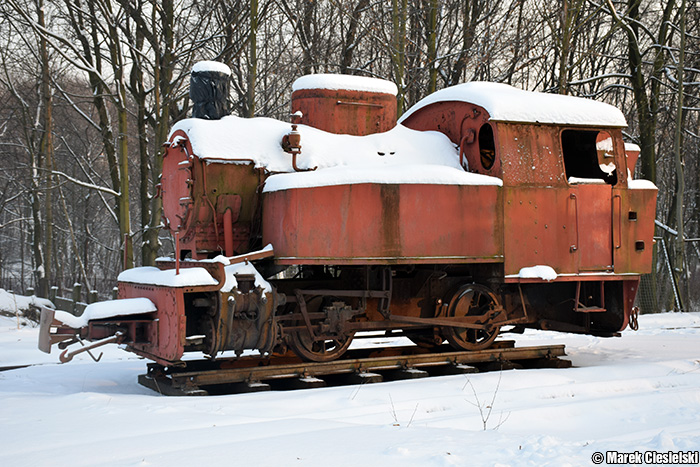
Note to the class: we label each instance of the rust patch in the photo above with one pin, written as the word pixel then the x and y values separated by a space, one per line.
pixel 344 111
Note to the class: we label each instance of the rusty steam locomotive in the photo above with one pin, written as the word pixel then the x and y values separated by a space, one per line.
pixel 486 208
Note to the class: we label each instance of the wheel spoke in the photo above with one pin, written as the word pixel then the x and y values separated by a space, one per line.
pixel 471 300
pixel 317 351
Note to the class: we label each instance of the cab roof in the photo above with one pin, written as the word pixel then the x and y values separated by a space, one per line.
pixel 509 104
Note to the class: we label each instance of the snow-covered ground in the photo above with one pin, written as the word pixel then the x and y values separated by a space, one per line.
pixel 640 393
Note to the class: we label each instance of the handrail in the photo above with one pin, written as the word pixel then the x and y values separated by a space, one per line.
pixel 618 245
pixel 365 104
pixel 574 247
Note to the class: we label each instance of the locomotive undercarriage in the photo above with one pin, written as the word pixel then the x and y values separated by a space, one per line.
pixel 237 320
pixel 585 307
pixel 431 305
pixel 321 309
pixel 330 306
pixel 324 308
pixel 317 312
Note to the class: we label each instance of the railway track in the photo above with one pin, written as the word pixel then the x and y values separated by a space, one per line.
pixel 360 366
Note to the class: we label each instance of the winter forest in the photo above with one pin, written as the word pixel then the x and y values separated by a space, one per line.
pixel 90 88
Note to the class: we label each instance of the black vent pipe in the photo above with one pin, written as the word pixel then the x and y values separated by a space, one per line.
pixel 209 90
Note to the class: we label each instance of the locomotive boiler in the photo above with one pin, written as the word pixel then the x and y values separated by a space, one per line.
pixel 484 209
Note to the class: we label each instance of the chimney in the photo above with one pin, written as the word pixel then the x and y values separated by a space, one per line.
pixel 209 90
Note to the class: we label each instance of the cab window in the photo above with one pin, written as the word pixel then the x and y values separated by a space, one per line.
pixel 588 156
pixel 487 146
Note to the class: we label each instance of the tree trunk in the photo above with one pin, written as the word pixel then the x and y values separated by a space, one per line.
pixel 647 107
pixel 136 80
pixel 350 44
pixel 470 20
pixel 307 18
pixel 398 55
pixel 432 46
pixel 679 257
pixel 647 104
pixel 562 84
pixel 164 77
pixel 41 281
pixel 117 62
pixel 46 154
pixel 252 59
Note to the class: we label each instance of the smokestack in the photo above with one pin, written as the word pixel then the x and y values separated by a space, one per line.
pixel 209 90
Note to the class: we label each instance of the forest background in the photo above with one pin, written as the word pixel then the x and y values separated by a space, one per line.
pixel 90 88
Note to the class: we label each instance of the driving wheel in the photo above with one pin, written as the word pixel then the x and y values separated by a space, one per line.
pixel 471 300
pixel 324 350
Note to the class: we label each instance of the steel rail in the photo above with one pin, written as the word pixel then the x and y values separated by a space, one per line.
pixel 251 373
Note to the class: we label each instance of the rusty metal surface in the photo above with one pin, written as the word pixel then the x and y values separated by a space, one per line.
pixel 633 220
pixel 531 155
pixel 365 223
pixel 187 381
pixel 573 228
pixel 67 356
pixel 452 118
pixel 588 277
pixel 629 292
pixel 462 123
pixel 539 229
pixel 344 111
pixel 593 211
pixel 209 202
pixel 176 186
pixel 586 232
pixel 632 156
pixel 167 339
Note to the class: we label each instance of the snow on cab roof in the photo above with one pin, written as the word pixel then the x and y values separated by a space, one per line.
pixel 508 104
pixel 349 82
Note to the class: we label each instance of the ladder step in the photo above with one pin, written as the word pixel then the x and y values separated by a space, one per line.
pixel 590 309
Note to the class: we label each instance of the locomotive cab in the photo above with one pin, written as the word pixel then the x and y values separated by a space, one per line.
pixel 570 205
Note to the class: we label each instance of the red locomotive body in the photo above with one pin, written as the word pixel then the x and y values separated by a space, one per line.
pixel 486 209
